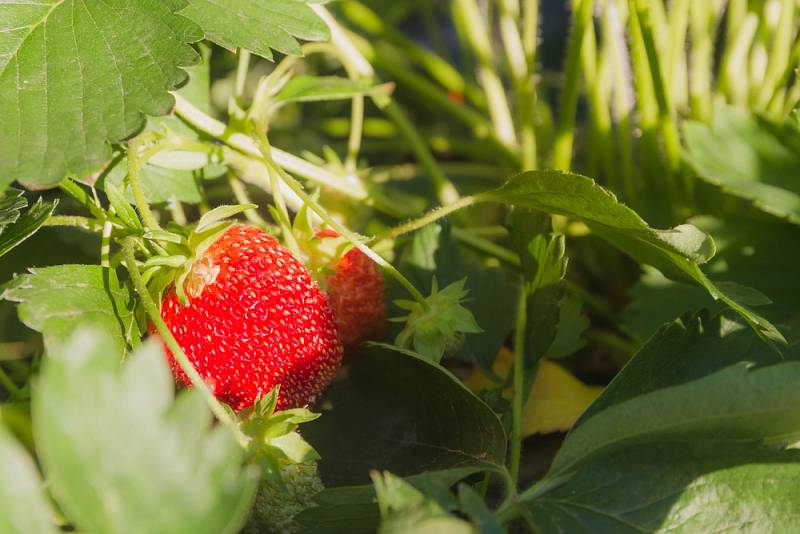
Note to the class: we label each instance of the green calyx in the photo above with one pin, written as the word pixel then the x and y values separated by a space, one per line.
pixel 180 260
pixel 274 439
pixel 439 326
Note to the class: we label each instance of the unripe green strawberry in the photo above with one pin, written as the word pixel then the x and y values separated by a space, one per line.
pixel 255 319
pixel 275 507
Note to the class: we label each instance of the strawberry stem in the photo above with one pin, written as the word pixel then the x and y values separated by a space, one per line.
pixel 519 396
pixel 145 212
pixel 155 316
pixel 345 232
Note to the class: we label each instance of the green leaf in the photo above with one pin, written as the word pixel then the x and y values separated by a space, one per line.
pixel 122 208
pixel 257 25
pixel 220 213
pixel 676 252
pixel 679 388
pixel 676 487
pixel 122 456
pixel 405 509
pixel 397 411
pixel 76 75
pixel 11 204
pixel 688 437
pixel 306 88
pixel 749 157
pixel 54 300
pixel 23 506
pixel 746 250
pixel 25 226
pixel 474 506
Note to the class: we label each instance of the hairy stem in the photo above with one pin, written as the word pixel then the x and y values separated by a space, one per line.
pixel 177 352
pixel 518 395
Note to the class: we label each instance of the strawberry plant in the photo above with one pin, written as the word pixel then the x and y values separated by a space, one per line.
pixel 368 266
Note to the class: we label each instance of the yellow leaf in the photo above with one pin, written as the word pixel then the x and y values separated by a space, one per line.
pixel 556 400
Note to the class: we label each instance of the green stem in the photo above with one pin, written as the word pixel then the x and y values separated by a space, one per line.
pixel 345 232
pixel 445 190
pixel 177 352
pixel 134 162
pixel 562 148
pixel 521 65
pixel 244 144
pixel 76 221
pixel 79 195
pixel 518 395
pixel 8 384
pixel 241 74
pixel 779 54
pixel 477 34
pixel 622 104
pixel 489 247
pixel 432 216
pixel 240 193
pixel 392 62
pixel 669 129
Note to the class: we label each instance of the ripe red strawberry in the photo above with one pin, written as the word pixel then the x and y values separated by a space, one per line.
pixel 355 292
pixel 255 319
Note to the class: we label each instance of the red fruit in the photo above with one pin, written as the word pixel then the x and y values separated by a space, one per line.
pixel 355 292
pixel 255 319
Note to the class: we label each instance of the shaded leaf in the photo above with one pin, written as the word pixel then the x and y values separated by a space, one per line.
pixel 748 157
pixel 399 412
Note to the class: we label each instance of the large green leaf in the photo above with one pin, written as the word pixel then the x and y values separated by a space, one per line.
pixel 257 25
pixel 23 507
pixel 676 487
pixel 749 157
pixel 54 300
pixel 397 411
pixel 676 252
pixel 75 75
pixel 691 436
pixel 761 254
pixel 121 455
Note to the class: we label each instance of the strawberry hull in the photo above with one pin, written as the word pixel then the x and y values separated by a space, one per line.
pixel 255 319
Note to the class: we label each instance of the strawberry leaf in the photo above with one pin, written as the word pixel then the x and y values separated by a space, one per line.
pixel 257 25
pixel 76 75
pixel 85 294
pixel 25 226
pixel 122 455
pixel 396 410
